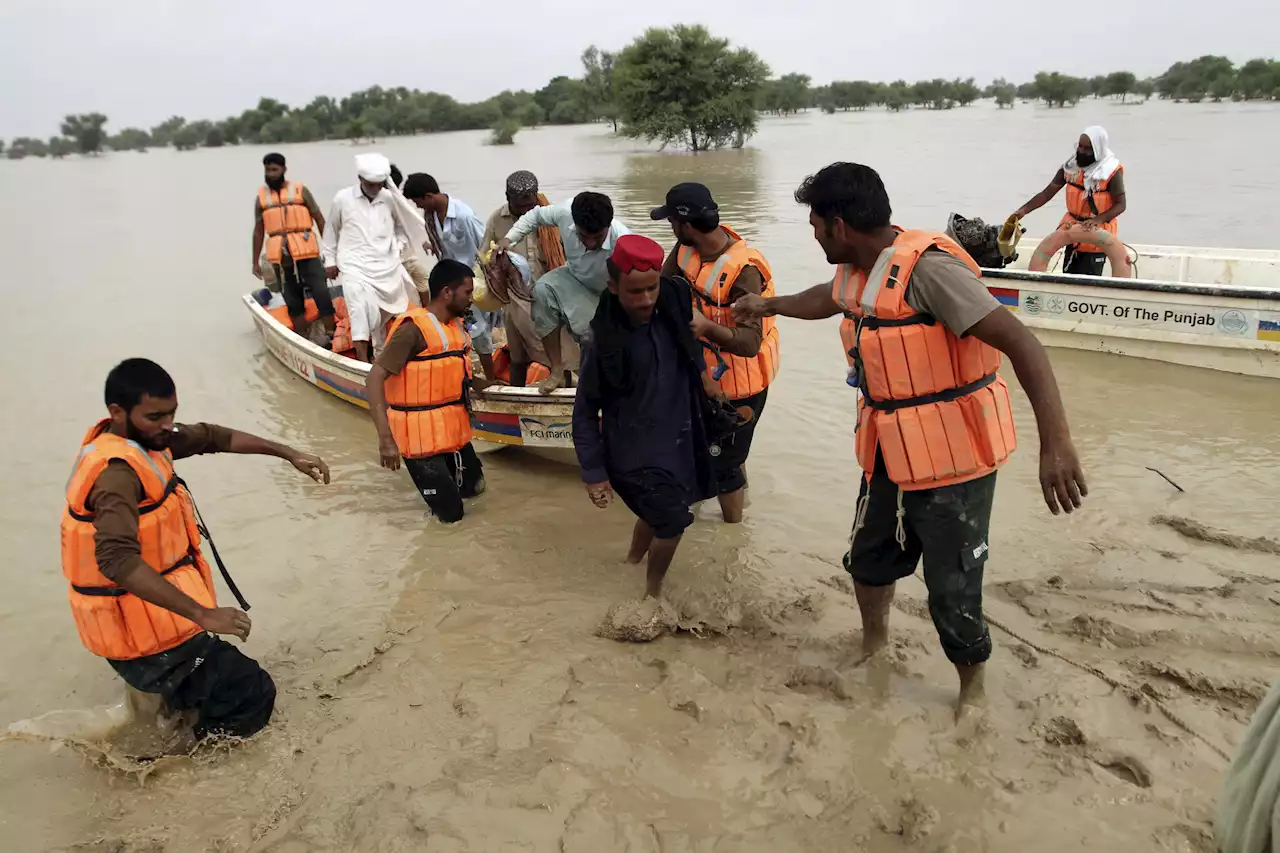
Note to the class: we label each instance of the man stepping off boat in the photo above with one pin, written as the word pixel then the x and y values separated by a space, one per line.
pixel 287 218
pixel 638 415
pixel 368 225
pixel 419 391
pixel 141 592
pixel 924 339
pixel 743 358
pixel 1094 180
pixel 566 297
pixel 543 249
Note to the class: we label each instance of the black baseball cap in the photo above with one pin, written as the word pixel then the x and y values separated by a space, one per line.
pixel 685 202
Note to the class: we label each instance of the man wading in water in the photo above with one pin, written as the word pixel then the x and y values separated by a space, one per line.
pixel 924 338
pixel 140 590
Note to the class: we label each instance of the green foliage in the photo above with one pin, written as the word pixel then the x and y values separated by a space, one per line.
pixel 1058 90
pixel 1120 83
pixel 25 146
pixel 1191 80
pixel 598 100
pixel 187 138
pixel 1004 92
pixel 787 95
pixel 163 133
pixel 965 92
pixel 60 146
pixel 681 86
pixel 87 130
pixel 1146 88
pixel 1259 78
pixel 504 132
pixel 130 139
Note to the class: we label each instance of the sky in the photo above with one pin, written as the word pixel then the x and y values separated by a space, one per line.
pixel 141 61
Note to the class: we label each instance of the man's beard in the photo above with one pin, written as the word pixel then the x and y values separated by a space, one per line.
pixel 159 441
pixel 275 183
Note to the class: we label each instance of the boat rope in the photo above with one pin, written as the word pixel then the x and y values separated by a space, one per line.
pixel 1132 692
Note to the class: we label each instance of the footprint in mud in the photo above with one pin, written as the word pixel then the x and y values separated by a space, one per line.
pixel 1123 766
pixel 638 621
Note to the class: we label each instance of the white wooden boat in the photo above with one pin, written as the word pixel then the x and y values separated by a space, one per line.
pixel 1201 307
pixel 501 416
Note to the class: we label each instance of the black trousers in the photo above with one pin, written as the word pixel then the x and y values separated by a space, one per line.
pixel 231 694
pixel 308 273
pixel 445 479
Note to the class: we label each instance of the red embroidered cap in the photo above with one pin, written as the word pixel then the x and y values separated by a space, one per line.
pixel 636 252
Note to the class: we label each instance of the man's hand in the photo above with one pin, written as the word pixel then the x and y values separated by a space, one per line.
pixel 1061 477
pixel 1090 224
pixel 700 325
pixel 225 620
pixel 429 249
pixel 257 270
pixel 389 454
pixel 504 246
pixel 312 466
pixel 750 306
pixel 331 273
pixel 600 493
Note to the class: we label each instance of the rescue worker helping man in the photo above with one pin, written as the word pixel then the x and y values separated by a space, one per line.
pixel 1094 180
pixel 419 391
pixel 742 358
pixel 924 340
pixel 140 590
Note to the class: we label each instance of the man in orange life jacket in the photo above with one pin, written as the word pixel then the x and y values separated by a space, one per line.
pixel 1094 180
pixel 285 215
pixel 420 395
pixel 742 358
pixel 924 338
pixel 140 590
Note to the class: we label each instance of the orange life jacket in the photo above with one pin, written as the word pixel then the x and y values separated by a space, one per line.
pixel 502 367
pixel 112 622
pixel 1081 205
pixel 711 285
pixel 428 402
pixel 932 403
pixel 285 216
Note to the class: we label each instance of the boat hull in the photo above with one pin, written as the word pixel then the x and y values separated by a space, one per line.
pixel 503 417
pixel 1218 327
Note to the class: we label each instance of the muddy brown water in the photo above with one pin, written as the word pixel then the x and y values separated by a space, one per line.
pixel 441 688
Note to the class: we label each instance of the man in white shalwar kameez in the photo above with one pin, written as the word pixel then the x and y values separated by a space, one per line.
pixel 367 226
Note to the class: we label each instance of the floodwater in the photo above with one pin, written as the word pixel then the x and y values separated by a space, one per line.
pixel 440 688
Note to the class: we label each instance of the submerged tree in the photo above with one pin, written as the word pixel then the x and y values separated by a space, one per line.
pixel 504 132
pixel 87 130
pixel 681 86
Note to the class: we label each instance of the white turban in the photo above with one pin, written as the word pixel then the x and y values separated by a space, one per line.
pixel 374 168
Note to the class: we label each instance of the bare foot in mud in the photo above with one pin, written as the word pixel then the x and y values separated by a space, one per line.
pixel 552 382
pixel 638 621
pixel 972 703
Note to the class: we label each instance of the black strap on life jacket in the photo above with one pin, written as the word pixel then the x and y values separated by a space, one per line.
pixel 169 488
pixel 883 323
pixel 116 591
pixel 925 399
pixel 461 401
pixel 1088 196
pixel 452 353
pixel 213 549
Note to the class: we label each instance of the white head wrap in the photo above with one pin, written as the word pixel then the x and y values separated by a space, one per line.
pixel 1104 164
pixel 374 168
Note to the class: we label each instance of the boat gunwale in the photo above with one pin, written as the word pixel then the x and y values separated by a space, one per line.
pixel 1260 294
pixel 498 394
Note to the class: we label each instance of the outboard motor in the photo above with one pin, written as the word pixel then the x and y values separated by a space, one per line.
pixel 980 240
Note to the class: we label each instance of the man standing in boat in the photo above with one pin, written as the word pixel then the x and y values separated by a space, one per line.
pixel 924 340
pixel 742 358
pixel 1094 180
pixel 543 249
pixel 566 297
pixel 141 592
pixel 419 392
pixel 287 218
pixel 637 418
pixel 367 226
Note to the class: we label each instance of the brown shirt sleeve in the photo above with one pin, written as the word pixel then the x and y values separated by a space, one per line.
pixel 403 345
pixel 945 288
pixel 195 439
pixel 748 335
pixel 114 502
pixel 310 201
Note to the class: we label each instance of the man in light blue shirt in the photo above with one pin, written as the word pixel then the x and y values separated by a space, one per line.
pixel 455 233
pixel 566 297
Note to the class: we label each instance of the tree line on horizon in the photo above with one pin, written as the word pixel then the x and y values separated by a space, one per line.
pixel 679 86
